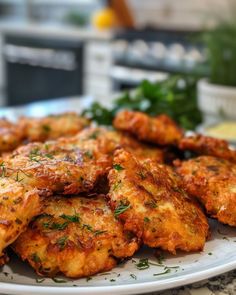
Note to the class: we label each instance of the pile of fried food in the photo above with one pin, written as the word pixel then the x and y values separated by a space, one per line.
pixel 76 199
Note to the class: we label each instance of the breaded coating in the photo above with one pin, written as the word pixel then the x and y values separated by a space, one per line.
pixel 209 146
pixel 110 140
pixel 213 182
pixel 75 236
pixel 18 205
pixel 150 202
pixel 67 166
pixel 52 127
pixel 160 130
pixel 11 136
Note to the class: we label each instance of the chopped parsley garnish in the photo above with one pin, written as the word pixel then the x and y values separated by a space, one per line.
pixel 46 128
pixel 61 242
pixel 116 185
pixel 56 280
pixel 39 280
pixel 146 219
pixel 118 167
pixel 209 253
pixel 162 273
pixel 121 209
pixel 112 280
pixel 35 258
pixel 141 174
pixel 160 258
pixel 88 154
pixel 89 279
pixel 71 218
pixel 99 232
pixel 50 156
pixel 88 227
pixel 54 225
pixel 3 169
pixel 94 135
pixel 142 264
pixel 133 276
pixel 151 204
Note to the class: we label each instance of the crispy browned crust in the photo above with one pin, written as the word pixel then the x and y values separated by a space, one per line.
pixel 52 127
pixel 205 145
pixel 158 130
pixel 110 140
pixel 18 205
pixel 11 136
pixel 157 209
pixel 213 182
pixel 75 236
pixel 69 165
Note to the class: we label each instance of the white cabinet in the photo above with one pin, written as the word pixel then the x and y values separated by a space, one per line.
pixel 97 66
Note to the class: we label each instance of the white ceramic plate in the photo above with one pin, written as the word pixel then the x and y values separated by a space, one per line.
pixel 218 257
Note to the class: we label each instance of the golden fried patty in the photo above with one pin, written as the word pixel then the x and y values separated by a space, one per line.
pixel 68 165
pixel 148 199
pixel 209 146
pixel 11 136
pixel 18 205
pixel 213 181
pixel 75 236
pixel 159 130
pixel 52 127
pixel 110 140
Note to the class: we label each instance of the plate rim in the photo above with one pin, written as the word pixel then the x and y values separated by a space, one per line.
pixel 135 288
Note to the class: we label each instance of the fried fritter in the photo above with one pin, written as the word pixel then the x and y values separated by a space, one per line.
pixel 67 166
pixel 75 236
pixel 11 136
pixel 212 181
pixel 110 140
pixel 150 202
pixel 205 145
pixel 52 127
pixel 159 130
pixel 18 205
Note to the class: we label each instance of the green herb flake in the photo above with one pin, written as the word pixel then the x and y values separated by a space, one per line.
pixel 112 280
pixel 59 281
pixel 210 253
pixel 56 226
pixel 118 167
pixel 133 276
pixel 146 219
pixel 72 218
pixel 46 128
pixel 121 209
pixel 88 227
pixel 35 258
pixel 168 270
pixel 142 264
pixel 62 242
pixel 39 280
pixel 99 232
pixel 89 279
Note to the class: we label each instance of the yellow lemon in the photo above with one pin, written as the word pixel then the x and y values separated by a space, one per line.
pixel 104 19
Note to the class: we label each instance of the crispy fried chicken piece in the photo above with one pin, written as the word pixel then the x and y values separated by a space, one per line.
pixel 52 127
pixel 11 136
pixel 75 236
pixel 150 202
pixel 158 130
pixel 18 205
pixel 205 145
pixel 213 182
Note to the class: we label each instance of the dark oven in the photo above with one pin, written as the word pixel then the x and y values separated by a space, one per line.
pixel 40 68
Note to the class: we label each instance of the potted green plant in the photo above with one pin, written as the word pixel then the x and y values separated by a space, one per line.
pixel 217 94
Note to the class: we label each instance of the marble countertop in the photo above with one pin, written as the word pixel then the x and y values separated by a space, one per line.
pixel 224 284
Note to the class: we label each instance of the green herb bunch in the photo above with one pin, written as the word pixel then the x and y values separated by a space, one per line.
pixel 220 43
pixel 175 96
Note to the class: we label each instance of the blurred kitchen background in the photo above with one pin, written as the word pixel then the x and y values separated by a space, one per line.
pixel 68 48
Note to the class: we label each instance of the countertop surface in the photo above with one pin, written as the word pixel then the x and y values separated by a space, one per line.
pixel 53 31
pixel 224 284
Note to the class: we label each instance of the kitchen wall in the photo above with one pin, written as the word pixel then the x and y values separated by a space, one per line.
pixel 181 13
